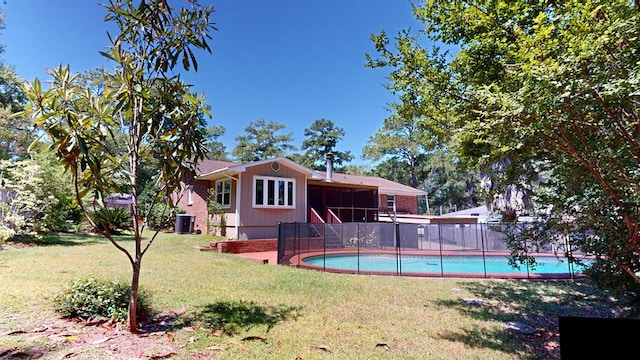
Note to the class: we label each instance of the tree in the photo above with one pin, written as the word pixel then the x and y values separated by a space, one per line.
pixel 399 138
pixel 143 103
pixel 450 185
pixel 360 169
pixel 393 169
pixel 16 133
pixel 216 150
pixel 262 141
pixel 540 88
pixel 321 138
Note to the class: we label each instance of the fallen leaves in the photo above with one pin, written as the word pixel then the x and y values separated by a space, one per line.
pixel 160 343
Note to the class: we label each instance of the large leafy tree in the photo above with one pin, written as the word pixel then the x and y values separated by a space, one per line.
pixel 399 139
pixel 143 104
pixel 450 185
pixel 16 133
pixel 36 197
pixel 534 88
pixel 322 138
pixel 393 169
pixel 262 141
pixel 216 149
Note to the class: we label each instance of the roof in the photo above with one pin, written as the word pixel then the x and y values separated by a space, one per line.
pixel 483 210
pixel 213 169
pixel 207 166
pixel 216 169
pixel 384 186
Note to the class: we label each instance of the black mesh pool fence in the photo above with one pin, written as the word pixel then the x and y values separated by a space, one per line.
pixel 435 249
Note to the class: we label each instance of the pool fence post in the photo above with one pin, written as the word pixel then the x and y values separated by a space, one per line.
pixel 279 241
pixel 440 245
pixel 477 233
pixel 324 246
pixel 296 241
pixel 358 247
pixel 526 251
pixel 484 259
pixel 396 235
pixel 569 255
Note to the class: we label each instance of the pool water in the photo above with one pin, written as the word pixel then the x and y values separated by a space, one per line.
pixel 464 264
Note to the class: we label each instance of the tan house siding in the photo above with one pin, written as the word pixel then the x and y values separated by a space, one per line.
pixel 262 220
pixel 246 221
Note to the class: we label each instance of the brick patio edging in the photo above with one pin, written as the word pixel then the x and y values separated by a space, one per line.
pixel 245 246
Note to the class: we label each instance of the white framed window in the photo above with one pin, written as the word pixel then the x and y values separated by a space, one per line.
pixel 190 195
pixel 391 202
pixel 223 193
pixel 274 192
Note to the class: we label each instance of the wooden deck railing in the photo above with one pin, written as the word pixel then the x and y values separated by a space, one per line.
pixel 315 217
pixel 332 217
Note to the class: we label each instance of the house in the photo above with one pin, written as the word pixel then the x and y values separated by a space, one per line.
pixel 256 196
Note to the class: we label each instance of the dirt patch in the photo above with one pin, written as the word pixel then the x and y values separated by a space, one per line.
pixel 102 339
pixel 15 245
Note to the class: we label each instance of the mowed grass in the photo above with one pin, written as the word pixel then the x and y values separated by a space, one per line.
pixel 233 308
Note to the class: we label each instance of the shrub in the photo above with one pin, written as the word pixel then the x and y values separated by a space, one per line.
pixel 5 233
pixel 92 298
pixel 161 217
pixel 114 220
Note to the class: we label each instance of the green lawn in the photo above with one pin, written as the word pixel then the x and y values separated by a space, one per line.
pixel 277 312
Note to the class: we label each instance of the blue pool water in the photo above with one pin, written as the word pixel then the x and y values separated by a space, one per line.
pixel 463 264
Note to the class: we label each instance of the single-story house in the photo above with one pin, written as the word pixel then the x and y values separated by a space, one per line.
pixel 256 196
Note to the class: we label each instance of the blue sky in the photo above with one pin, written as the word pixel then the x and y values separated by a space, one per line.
pixel 286 61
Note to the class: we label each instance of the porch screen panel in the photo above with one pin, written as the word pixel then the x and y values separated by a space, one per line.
pixel 332 196
pixel 364 198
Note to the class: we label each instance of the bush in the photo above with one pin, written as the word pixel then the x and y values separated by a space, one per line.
pixel 91 299
pixel 6 233
pixel 161 217
pixel 114 220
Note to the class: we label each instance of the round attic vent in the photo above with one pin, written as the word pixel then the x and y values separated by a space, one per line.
pixel 275 166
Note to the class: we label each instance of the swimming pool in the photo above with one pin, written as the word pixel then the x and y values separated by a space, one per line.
pixel 442 265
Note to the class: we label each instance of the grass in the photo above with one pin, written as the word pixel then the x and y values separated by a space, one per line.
pixel 233 308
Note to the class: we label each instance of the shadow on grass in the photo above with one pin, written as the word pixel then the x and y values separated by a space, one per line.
pixel 535 304
pixel 234 317
pixel 60 239
pixel 65 239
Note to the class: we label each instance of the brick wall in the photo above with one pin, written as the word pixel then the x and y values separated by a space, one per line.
pixel 404 204
pixel 245 246
pixel 199 205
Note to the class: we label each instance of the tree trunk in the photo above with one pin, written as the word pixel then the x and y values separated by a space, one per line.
pixel 470 202
pixel 133 298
